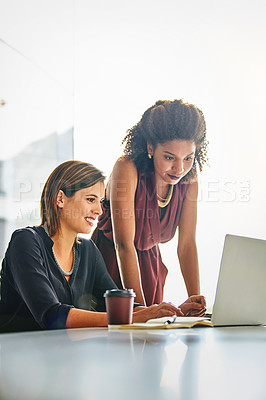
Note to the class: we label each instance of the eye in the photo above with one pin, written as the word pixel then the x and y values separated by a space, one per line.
pixel 90 199
pixel 189 158
pixel 170 158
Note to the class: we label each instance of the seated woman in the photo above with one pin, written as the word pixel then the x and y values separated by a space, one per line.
pixel 51 278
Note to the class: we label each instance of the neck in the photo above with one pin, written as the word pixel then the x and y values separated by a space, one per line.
pixel 162 188
pixel 63 241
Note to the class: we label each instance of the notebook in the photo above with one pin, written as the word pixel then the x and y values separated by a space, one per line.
pixel 241 289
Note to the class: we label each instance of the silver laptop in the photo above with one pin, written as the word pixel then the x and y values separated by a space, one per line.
pixel 241 289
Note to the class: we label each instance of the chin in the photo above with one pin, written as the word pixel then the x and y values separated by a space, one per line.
pixel 86 231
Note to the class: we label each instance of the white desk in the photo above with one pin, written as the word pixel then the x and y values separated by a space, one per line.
pixel 94 364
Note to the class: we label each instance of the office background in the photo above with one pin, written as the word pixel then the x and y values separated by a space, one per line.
pixel 76 74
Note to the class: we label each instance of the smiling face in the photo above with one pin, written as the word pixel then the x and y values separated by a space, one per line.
pixel 80 211
pixel 172 160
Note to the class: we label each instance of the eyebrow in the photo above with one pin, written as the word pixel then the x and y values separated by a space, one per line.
pixel 172 154
pixel 94 195
pixel 90 194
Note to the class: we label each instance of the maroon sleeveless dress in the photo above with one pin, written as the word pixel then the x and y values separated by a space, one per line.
pixel 153 226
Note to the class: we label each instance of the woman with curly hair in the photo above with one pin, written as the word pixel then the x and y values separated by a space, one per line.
pixel 153 190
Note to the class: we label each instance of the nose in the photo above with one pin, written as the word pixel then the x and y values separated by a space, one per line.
pixel 98 209
pixel 178 167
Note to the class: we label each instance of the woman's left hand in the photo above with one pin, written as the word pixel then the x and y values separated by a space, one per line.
pixel 194 306
pixel 143 314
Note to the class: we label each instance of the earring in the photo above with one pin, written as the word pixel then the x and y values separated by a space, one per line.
pixel 149 155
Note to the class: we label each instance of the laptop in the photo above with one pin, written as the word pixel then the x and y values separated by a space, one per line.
pixel 241 289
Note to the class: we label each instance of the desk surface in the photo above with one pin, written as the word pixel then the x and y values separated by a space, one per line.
pixel 97 364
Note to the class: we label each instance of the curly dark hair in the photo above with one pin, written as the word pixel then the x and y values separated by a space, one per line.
pixel 165 121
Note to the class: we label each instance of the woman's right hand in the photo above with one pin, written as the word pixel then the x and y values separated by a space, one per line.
pixel 194 306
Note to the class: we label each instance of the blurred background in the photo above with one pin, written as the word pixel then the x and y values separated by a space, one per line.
pixel 76 74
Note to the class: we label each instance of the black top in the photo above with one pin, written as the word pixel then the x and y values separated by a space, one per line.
pixel 34 291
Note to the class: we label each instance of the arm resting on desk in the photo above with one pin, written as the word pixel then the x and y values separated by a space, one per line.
pixel 82 319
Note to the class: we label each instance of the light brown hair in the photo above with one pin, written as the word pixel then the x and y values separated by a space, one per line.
pixel 70 176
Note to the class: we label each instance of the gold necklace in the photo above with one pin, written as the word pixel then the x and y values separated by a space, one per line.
pixel 164 202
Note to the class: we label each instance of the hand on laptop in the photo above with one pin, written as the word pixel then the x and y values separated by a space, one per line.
pixel 142 314
pixel 194 306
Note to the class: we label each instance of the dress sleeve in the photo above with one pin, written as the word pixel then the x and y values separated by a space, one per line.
pixel 29 276
pixel 103 280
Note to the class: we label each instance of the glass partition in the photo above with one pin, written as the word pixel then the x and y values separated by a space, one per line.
pixel 36 106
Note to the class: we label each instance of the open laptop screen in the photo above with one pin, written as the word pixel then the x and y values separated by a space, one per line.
pixel 241 289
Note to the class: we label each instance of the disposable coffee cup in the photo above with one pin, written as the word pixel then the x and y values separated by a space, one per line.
pixel 119 306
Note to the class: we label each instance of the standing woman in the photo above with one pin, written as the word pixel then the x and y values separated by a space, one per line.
pixel 50 277
pixel 153 189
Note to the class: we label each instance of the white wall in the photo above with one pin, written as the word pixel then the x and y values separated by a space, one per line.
pixel 130 54
pixel 36 71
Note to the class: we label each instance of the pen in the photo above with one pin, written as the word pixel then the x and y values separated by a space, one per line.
pixel 170 320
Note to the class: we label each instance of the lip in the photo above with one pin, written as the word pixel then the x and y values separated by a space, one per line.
pixel 90 220
pixel 174 177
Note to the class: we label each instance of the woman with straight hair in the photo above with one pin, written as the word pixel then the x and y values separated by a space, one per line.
pixel 53 279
